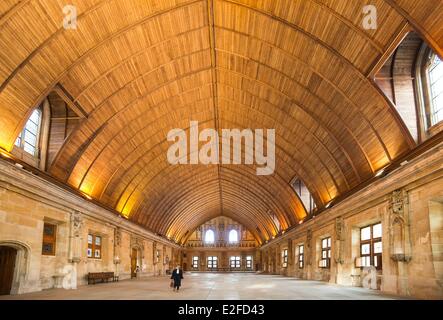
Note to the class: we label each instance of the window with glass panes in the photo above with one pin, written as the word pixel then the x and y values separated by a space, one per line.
pixel 301 256
pixel 212 262
pixel 325 261
pixel 94 246
pixel 49 238
pixel 284 256
pixel 195 262
pixel 371 246
pixel 235 262
pixel 436 88
pixel 28 138
pixel 249 262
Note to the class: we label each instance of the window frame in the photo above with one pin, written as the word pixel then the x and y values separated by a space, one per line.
pixel 249 262
pixel 301 256
pixel 432 108
pixel 195 262
pixel 371 242
pixel 427 127
pixel 236 260
pixel 48 239
pixel 94 246
pixel 284 255
pixel 212 262
pixel 325 258
pixel 236 236
pixel 206 235
pixel 23 134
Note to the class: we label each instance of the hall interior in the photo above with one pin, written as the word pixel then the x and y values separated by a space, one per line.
pixel 340 101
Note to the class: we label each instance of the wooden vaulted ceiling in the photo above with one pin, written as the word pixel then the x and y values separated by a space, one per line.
pixel 139 68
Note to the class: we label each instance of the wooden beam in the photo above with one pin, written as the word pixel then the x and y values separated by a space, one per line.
pixel 75 106
pixel 378 64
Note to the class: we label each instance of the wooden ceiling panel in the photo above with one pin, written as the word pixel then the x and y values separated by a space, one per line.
pixel 141 68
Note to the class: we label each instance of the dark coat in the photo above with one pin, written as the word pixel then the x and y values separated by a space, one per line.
pixel 177 277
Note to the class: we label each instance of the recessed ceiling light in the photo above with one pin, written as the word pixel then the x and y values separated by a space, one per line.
pixel 4 154
pixel 380 173
pixel 87 196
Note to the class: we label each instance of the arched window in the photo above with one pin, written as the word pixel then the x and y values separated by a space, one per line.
pixel 28 138
pixel 435 72
pixel 209 236
pixel 233 236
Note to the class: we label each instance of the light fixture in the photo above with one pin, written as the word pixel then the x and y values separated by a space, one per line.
pixel 87 196
pixel 18 165
pixel 300 222
pixel 380 173
pixel 328 205
pixel 5 154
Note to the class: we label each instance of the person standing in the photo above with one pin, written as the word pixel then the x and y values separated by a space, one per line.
pixel 177 276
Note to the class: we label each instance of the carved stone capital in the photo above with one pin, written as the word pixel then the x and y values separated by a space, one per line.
pixel 77 223
pixel 117 237
pixel 401 257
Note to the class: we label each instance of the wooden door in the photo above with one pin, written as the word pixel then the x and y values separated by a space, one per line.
pixel 133 263
pixel 7 264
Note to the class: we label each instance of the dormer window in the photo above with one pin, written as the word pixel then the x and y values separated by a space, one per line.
pixel 28 139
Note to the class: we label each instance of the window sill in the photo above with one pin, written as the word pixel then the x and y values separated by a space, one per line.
pixel 436 128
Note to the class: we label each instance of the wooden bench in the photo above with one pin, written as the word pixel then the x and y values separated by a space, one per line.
pixel 101 276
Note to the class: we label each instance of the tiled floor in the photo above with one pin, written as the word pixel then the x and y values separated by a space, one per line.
pixel 202 286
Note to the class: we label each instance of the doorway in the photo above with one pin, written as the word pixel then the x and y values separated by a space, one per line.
pixel 134 263
pixel 7 264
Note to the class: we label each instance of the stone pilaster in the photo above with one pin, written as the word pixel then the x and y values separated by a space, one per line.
pixel 399 237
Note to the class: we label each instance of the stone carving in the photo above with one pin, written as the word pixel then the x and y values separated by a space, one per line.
pixel 77 223
pixel 155 253
pixel 308 238
pixel 308 247
pixel 339 228
pixel 117 237
pixel 117 244
pixel 399 237
pixel 340 237
pixel 138 244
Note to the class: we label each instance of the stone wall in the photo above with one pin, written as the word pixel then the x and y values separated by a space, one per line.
pixel 409 204
pixel 27 202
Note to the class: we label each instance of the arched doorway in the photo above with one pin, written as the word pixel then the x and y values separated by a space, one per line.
pixel 14 262
pixel 8 256
pixel 136 260
pixel 134 253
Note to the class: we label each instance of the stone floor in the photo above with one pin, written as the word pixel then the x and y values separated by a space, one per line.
pixel 209 286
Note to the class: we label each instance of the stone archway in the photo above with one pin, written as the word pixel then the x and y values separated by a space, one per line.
pixel 20 265
pixel 136 260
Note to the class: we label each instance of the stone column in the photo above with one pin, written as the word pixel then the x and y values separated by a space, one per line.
pixel 309 252
pixel 75 249
pixel 338 250
pixel 290 267
pixel 399 237
pixel 117 250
